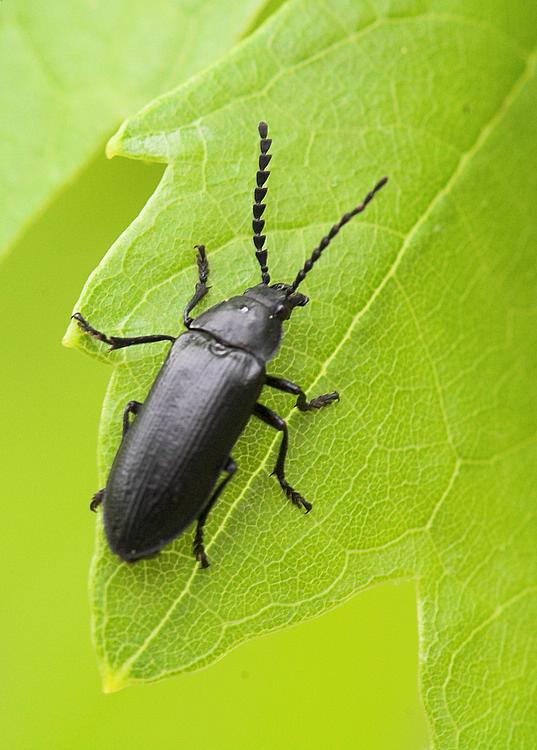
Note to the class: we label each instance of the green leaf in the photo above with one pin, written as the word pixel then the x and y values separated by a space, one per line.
pixel 71 72
pixel 423 316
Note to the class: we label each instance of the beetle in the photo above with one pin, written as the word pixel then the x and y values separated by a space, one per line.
pixel 166 472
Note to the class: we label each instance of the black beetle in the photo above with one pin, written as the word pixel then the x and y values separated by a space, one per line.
pixel 165 473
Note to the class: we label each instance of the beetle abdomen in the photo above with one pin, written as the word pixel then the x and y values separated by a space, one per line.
pixel 173 453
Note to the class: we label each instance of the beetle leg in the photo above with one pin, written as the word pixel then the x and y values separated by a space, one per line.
pixel 132 408
pixel 302 403
pixel 274 420
pixel 97 499
pixel 198 547
pixel 116 342
pixel 201 286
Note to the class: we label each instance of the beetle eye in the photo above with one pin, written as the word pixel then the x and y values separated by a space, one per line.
pixel 282 312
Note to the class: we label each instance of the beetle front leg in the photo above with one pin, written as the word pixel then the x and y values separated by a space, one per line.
pixel 281 384
pixel 198 546
pixel 201 286
pixel 117 342
pixel 274 420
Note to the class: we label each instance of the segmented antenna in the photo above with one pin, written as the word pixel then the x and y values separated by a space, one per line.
pixel 259 207
pixel 316 254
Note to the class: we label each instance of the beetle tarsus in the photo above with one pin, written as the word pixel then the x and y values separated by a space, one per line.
pixel 294 496
pixel 317 403
pixel 302 403
pixel 96 500
pixel 201 286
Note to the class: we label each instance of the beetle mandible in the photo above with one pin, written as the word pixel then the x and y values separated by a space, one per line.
pixel 166 471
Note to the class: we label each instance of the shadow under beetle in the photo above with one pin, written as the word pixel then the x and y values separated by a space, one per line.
pixel 166 470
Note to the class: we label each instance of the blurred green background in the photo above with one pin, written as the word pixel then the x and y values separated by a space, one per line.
pixel 348 679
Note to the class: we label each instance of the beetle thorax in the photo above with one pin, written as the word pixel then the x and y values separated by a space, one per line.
pixel 251 321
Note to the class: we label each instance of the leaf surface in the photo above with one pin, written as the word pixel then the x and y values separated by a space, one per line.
pixel 71 72
pixel 423 316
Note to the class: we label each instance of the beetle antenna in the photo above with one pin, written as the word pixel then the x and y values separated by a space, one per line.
pixel 259 207
pixel 316 254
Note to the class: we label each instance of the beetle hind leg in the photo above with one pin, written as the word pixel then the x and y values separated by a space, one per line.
pixel 198 546
pixel 274 420
pixel 201 286
pixel 96 500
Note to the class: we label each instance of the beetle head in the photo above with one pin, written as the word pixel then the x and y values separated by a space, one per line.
pixel 279 298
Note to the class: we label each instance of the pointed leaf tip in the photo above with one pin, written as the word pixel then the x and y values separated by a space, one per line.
pixel 113 682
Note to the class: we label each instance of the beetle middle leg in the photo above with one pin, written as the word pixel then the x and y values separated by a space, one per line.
pixel 118 342
pixel 281 384
pixel 274 420
pixel 201 286
pixel 133 407
pixel 198 546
